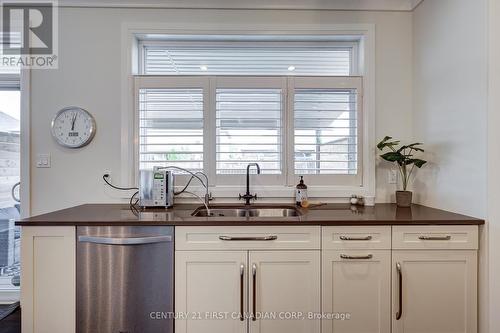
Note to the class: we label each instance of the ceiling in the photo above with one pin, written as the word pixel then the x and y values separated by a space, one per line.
pixel 392 5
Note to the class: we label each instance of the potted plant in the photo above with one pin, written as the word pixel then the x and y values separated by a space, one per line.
pixel 404 157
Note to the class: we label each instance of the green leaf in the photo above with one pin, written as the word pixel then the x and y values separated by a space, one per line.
pixel 381 144
pixel 393 143
pixel 393 157
pixel 402 148
pixel 414 146
pixel 403 156
pixel 411 146
pixel 419 163
pixel 384 143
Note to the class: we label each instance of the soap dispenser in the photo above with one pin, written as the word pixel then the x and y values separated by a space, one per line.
pixel 301 193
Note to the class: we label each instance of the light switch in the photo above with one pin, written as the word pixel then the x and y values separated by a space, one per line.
pixel 43 160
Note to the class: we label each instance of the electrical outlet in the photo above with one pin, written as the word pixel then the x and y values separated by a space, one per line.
pixel 392 177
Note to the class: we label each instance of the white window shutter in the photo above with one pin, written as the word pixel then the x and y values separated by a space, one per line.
pixel 171 128
pixel 325 130
pixel 248 129
pixel 245 59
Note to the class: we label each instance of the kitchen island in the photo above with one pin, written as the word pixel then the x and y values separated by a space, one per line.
pixel 331 268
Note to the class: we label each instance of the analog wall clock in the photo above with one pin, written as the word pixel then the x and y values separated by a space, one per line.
pixel 73 127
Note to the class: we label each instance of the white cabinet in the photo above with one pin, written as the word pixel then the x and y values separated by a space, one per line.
pixel 209 283
pixel 211 290
pixel 356 283
pixel 434 291
pixel 377 279
pixel 271 274
pixel 434 279
pixel 401 279
pixel 356 291
pixel 48 279
pixel 284 284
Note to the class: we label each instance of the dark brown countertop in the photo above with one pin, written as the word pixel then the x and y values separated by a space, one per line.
pixel 180 215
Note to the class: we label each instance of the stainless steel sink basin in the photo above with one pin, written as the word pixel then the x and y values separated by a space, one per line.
pixel 242 211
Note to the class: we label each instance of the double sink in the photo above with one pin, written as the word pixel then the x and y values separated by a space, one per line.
pixel 247 211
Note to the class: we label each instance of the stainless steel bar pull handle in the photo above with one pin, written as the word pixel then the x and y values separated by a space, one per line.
pixel 400 296
pixel 423 237
pixel 254 292
pixel 346 256
pixel 124 241
pixel 350 238
pixel 245 238
pixel 242 292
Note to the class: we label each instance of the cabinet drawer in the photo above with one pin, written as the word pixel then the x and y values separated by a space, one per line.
pixel 435 237
pixel 356 237
pixel 247 238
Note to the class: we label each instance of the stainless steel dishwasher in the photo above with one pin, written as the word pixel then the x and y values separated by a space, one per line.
pixel 125 279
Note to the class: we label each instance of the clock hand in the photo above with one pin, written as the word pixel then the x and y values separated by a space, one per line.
pixel 73 122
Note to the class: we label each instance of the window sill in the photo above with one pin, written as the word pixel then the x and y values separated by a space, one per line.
pixel 326 193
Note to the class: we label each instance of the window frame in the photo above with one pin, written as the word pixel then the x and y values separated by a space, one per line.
pixel 350 45
pixel 321 82
pixel 363 33
pixel 166 82
pixel 287 84
pixel 249 82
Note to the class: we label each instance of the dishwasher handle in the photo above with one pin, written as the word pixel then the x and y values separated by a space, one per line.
pixel 124 241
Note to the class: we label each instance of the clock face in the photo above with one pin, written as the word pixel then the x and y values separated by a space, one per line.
pixel 73 127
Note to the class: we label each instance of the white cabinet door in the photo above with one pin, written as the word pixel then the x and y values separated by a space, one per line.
pixel 434 291
pixel 356 292
pixel 284 287
pixel 210 289
pixel 48 279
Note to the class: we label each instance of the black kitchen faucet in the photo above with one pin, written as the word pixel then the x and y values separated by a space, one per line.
pixel 247 196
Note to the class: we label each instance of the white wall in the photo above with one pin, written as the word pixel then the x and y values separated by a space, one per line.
pixel 494 166
pixel 450 103
pixel 451 116
pixel 89 76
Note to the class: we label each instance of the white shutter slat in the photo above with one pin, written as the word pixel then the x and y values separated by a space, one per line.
pixel 248 132
pixel 171 128
pixel 325 131
pixel 246 60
